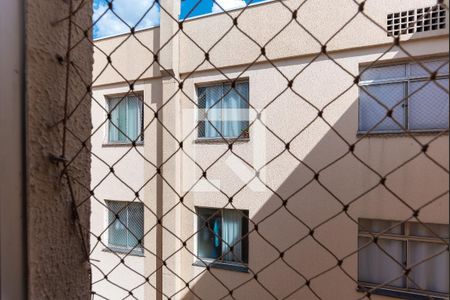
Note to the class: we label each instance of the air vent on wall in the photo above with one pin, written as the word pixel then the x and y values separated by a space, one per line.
pixel 416 20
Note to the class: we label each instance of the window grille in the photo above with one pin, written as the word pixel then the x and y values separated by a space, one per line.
pixel 126 119
pixel 404 245
pixel 226 110
pixel 222 237
pixel 125 226
pixel 405 93
pixel 417 20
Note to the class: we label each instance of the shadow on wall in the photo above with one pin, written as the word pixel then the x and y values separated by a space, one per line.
pixel 318 204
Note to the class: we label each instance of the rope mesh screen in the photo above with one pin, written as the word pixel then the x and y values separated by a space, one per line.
pixel 188 211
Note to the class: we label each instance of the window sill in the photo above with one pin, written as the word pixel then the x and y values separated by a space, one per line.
pixel 109 145
pixel 236 267
pixel 401 133
pixel 402 294
pixel 221 140
pixel 134 252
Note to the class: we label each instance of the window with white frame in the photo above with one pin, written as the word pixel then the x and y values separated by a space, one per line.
pixel 125 125
pixel 222 236
pixel 125 226
pixel 223 110
pixel 423 248
pixel 401 97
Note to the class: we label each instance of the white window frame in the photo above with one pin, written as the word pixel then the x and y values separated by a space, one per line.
pixel 219 263
pixel 406 237
pixel 108 99
pixel 244 136
pixel 406 80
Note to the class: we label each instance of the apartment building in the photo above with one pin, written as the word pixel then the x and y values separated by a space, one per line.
pixel 310 148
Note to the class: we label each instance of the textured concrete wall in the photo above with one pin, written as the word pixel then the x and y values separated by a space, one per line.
pixel 205 31
pixel 111 188
pixel 317 146
pixel 58 266
pixel 291 41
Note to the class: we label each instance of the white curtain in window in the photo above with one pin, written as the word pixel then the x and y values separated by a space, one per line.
pixel 231 235
pixel 133 118
pixel 429 105
pixel 126 119
pixel 118 110
pixel 377 267
pixel 213 104
pixel 433 274
pixel 122 124
pixel 113 132
pixel 235 110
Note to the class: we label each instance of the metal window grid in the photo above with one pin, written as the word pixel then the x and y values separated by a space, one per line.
pixel 406 237
pixel 406 80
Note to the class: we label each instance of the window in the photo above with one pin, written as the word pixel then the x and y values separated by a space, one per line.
pixel 126 121
pixel 409 245
pixel 222 237
pixel 416 103
pixel 226 109
pixel 125 226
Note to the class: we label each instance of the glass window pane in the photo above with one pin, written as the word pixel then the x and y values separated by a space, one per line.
pixel 122 123
pixel 235 110
pixel 383 73
pixel 432 274
pixel 417 229
pixel 117 232
pixel 371 112
pixel 232 235
pixel 118 110
pixel 210 100
pixel 376 226
pixel 429 105
pixel 135 224
pixel 201 92
pixel 441 66
pixel 113 132
pixel 126 115
pixel 375 266
pixel 244 242
pixel 209 235
pixel 133 118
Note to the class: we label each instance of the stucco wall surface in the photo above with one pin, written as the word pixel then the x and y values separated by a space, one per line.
pixel 317 146
pixel 129 164
pixel 228 45
pixel 131 57
pixel 337 24
pixel 320 80
pixel 58 267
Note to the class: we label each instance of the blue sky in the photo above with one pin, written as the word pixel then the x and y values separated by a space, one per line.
pixel 145 13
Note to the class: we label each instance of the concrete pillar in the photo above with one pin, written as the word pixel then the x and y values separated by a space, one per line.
pixel 169 179
pixel 57 240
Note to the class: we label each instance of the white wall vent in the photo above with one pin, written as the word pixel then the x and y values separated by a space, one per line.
pixel 417 20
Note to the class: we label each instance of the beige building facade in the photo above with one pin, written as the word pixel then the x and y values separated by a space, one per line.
pixel 312 159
